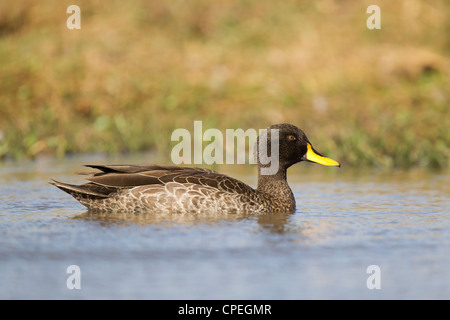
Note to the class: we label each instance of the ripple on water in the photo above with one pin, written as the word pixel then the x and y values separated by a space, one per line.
pixel 344 222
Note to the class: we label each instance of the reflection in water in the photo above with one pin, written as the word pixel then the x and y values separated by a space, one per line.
pixel 345 221
pixel 274 222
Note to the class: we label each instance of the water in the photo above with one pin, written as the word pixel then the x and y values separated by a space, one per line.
pixel 345 222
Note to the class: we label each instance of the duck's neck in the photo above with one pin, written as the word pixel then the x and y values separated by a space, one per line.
pixel 276 187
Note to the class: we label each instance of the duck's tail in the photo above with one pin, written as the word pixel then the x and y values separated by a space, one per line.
pixel 85 190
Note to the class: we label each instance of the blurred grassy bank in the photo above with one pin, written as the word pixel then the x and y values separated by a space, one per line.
pixel 138 70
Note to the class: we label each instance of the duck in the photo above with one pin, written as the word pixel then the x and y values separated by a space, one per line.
pixel 182 189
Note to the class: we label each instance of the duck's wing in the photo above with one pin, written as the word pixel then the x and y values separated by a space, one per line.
pixel 111 178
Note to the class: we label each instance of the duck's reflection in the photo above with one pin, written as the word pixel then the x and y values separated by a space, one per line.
pixel 272 222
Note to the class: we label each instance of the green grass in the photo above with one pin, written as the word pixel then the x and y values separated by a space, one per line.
pixel 136 71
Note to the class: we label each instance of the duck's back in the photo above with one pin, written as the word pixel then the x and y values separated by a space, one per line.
pixel 166 189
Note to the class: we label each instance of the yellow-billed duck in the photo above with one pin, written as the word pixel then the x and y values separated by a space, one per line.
pixel 174 189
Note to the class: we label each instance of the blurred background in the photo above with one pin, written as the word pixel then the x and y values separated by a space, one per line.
pixel 138 70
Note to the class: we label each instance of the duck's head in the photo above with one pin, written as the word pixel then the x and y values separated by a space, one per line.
pixel 288 145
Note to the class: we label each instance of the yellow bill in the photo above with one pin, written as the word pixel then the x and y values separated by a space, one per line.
pixel 314 156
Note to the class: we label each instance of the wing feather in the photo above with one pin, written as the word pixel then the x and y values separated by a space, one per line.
pixel 129 176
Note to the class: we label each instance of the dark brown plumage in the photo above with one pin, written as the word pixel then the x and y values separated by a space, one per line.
pixel 172 189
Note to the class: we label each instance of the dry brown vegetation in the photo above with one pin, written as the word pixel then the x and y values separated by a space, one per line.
pixel 138 70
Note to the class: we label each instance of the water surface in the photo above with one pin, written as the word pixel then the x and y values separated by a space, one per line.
pixel 345 221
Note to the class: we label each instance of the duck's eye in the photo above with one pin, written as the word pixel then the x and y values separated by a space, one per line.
pixel 292 138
